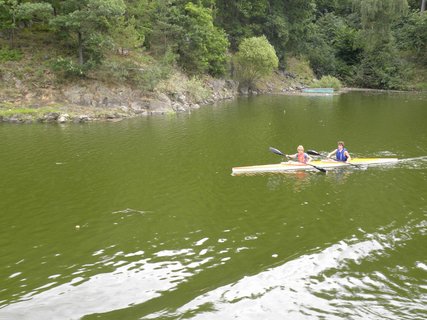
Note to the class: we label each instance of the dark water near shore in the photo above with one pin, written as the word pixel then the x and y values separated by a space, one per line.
pixel 142 219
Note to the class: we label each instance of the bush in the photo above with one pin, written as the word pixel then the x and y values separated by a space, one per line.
pixel 7 54
pixel 195 90
pixel 255 59
pixel 328 82
pixel 381 68
pixel 144 77
pixel 179 84
pixel 149 77
pixel 139 71
pixel 67 68
pixel 299 67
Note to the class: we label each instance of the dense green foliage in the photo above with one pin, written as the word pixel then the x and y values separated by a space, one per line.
pixel 15 12
pixel 7 54
pixel 328 82
pixel 88 21
pixel 368 43
pixel 256 58
pixel 202 48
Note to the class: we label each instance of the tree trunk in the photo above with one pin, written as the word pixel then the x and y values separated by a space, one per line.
pixel 80 48
pixel 12 32
pixel 423 5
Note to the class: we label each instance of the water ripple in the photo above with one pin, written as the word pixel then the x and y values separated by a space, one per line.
pixel 129 283
pixel 321 285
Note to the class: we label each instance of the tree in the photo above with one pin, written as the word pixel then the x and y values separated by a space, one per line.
pixel 89 21
pixel 333 48
pixel 125 35
pixel 380 65
pixel 300 15
pixel 411 35
pixel 382 69
pixel 285 23
pixel 163 30
pixel 13 12
pixel 255 59
pixel 203 47
pixel 243 19
pixel 187 30
pixel 377 17
pixel 139 12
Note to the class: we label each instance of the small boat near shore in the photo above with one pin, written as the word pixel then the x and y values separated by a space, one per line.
pixel 313 166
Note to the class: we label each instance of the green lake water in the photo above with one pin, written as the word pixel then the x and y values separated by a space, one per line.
pixel 142 219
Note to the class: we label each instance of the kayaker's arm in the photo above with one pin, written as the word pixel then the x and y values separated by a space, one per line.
pixel 348 156
pixel 330 154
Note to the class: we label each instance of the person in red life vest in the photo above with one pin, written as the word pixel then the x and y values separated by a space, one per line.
pixel 300 156
pixel 340 153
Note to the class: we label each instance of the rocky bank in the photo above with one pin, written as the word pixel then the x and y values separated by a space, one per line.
pixel 91 100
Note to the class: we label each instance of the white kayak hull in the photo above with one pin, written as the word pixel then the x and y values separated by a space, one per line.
pixel 291 166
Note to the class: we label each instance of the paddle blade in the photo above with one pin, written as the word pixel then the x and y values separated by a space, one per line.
pixel 320 169
pixel 274 150
pixel 313 153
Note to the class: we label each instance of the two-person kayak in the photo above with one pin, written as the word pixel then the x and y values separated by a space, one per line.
pixel 313 165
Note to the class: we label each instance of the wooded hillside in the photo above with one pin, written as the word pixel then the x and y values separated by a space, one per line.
pixel 364 43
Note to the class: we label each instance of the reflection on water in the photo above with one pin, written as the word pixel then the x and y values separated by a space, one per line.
pixel 341 281
pixel 296 180
pixel 129 283
pixel 340 175
pixel 300 180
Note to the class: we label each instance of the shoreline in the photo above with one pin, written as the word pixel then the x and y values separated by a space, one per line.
pixel 96 101
pixel 79 104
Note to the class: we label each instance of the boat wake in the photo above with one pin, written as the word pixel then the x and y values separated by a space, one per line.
pixel 322 285
pixel 413 163
pixel 422 158
pixel 131 211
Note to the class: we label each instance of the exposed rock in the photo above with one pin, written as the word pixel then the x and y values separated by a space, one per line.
pixel 98 96
pixel 181 108
pixel 49 117
pixel 83 118
pixel 217 84
pixel 159 106
pixel 137 107
pixel 93 100
pixel 182 99
pixel 63 118
pixel 14 119
pixel 244 91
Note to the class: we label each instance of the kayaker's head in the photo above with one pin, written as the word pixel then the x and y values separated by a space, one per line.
pixel 340 145
pixel 300 149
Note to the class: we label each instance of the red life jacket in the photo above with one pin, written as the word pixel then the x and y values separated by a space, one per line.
pixel 302 157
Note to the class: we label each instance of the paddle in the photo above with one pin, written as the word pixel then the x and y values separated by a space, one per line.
pixel 280 153
pixel 315 153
